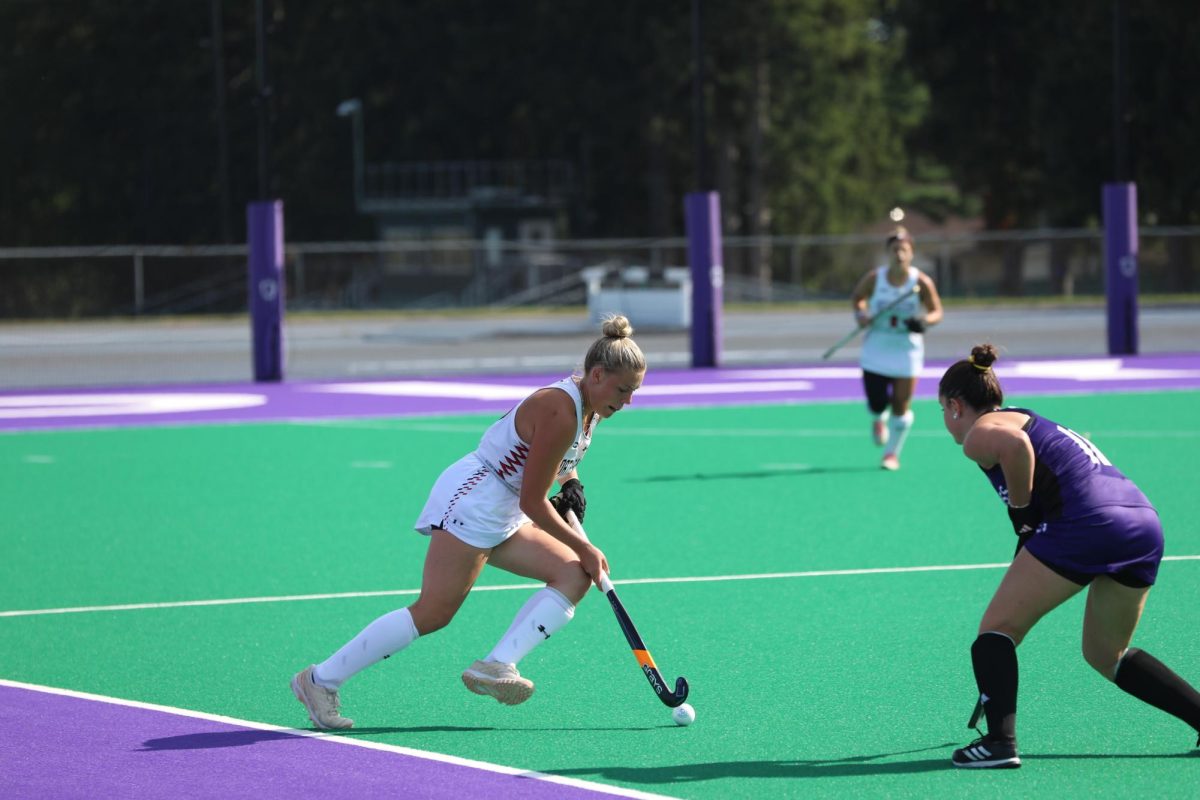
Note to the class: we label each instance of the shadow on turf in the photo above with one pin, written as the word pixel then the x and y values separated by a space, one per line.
pixel 215 739
pixel 817 768
pixel 799 768
pixel 761 473
pixel 1106 756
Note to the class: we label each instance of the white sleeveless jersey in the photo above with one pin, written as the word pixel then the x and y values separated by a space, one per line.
pixel 890 348
pixel 503 451
pixel 477 498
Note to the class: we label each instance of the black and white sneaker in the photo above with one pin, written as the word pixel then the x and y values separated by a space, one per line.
pixel 987 753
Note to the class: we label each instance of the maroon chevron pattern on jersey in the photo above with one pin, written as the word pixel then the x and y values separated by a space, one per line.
pixel 470 483
pixel 512 463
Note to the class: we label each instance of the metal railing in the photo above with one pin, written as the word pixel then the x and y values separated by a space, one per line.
pixel 92 282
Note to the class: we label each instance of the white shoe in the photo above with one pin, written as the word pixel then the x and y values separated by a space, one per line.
pixel 499 680
pixel 890 462
pixel 322 703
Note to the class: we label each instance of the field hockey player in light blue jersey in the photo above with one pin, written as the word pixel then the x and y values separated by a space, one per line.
pixel 1079 523
pixel 492 507
pixel 896 303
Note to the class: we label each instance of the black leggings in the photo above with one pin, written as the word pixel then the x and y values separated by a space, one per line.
pixel 879 391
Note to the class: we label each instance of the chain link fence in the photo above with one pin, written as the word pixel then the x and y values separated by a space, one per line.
pixel 120 316
pixel 97 282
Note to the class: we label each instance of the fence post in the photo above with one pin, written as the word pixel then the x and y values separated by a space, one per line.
pixel 796 261
pixel 298 266
pixel 941 276
pixel 139 283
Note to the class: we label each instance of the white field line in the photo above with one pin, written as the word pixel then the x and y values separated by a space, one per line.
pixel 333 738
pixel 294 598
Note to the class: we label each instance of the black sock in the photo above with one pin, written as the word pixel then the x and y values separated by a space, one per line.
pixel 994 657
pixel 1151 681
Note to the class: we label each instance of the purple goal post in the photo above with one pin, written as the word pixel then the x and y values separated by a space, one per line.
pixel 702 212
pixel 1121 266
pixel 264 225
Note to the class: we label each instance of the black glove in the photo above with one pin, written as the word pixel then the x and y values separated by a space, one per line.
pixel 570 498
pixel 1025 521
pixel 915 325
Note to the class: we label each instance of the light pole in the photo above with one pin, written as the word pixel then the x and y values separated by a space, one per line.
pixel 699 134
pixel 218 48
pixel 353 109
pixel 264 233
pixel 1119 201
pixel 1120 54
pixel 262 98
pixel 702 218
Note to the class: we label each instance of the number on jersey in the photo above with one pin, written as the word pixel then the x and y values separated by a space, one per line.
pixel 1087 447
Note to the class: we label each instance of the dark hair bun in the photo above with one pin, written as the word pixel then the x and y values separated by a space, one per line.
pixel 984 355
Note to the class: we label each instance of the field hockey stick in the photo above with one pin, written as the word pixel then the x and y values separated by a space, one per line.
pixel 670 699
pixel 976 714
pixel 846 339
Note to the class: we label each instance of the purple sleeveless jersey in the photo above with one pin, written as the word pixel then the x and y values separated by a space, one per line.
pixel 1096 521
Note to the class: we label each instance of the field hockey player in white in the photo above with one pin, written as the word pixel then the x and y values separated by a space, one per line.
pixel 492 507
pixel 896 303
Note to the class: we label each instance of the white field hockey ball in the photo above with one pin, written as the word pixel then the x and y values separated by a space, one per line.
pixel 683 715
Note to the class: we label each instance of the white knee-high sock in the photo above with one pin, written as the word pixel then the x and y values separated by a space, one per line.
pixel 541 616
pixel 899 427
pixel 387 635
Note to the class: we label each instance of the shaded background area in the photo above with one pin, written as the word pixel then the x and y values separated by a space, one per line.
pixel 466 153
pixel 155 123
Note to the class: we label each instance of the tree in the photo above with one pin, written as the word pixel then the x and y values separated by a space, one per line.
pixel 100 100
pixel 1022 105
pixel 809 103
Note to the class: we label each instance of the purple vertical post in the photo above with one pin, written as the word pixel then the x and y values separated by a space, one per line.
pixel 702 211
pixel 1121 266
pixel 264 225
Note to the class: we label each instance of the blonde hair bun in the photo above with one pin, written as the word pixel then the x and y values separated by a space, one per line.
pixel 616 326
pixel 615 350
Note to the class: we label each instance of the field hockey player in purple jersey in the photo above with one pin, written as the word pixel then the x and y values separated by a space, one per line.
pixel 492 507
pixel 1080 523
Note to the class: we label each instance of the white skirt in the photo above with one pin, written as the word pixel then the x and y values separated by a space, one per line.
pixel 893 355
pixel 469 501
